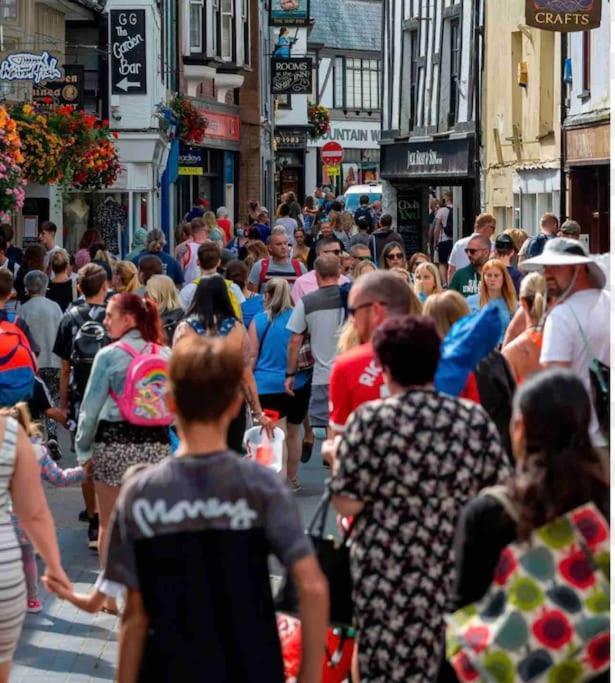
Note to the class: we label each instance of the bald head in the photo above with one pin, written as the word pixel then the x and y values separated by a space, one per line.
pixel 387 288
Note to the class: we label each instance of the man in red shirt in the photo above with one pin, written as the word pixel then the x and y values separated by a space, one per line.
pixel 224 223
pixel 355 377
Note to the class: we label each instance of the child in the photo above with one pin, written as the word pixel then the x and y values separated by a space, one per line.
pixel 51 473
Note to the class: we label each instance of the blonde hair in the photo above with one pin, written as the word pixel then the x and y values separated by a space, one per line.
pixel 210 221
pixel 127 277
pixel 508 289
pixel 279 300
pixel 21 413
pixel 518 236
pixel 483 219
pixel 445 308
pixel 348 337
pixel 162 291
pixel 363 267
pixel 401 273
pixel 534 293
pixel 433 269
pixel 347 220
pixel 256 251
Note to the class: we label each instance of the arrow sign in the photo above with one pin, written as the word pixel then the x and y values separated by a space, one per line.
pixel 124 84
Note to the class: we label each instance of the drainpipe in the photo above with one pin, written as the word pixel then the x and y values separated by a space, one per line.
pixel 477 106
pixel 563 93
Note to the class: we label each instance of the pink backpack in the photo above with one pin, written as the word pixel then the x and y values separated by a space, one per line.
pixel 143 401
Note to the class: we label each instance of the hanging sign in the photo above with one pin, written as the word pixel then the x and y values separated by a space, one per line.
pixel 26 66
pixel 128 55
pixel 563 15
pixel 289 13
pixel 190 160
pixel 291 138
pixel 68 90
pixel 291 75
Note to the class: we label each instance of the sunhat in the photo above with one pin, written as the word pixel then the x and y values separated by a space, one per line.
pixel 561 251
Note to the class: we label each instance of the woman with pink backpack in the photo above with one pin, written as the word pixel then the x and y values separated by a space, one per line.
pixel 124 419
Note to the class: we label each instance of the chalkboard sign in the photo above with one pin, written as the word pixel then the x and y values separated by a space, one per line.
pixel 409 221
pixel 292 75
pixel 128 56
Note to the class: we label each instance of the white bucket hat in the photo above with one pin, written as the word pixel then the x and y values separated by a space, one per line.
pixel 561 251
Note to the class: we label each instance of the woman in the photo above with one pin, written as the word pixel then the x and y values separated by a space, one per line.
pixel 139 238
pixel 300 249
pixel 211 314
pixel 557 471
pixel 496 287
pixel 426 280
pixel 82 255
pixel 103 439
pixel 415 260
pixel 214 232
pixel 33 259
pixel 256 251
pixel 254 208
pixel 310 211
pixel 523 353
pixel 445 309
pixel 237 272
pixel 269 339
pixel 21 493
pixel 294 207
pixel 392 255
pixel 98 252
pixel 362 268
pixel 125 277
pixel 62 289
pixel 162 291
pixel 405 473
pixel 224 223
pixel 347 228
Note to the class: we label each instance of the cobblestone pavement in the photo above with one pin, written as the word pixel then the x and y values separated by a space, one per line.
pixel 64 644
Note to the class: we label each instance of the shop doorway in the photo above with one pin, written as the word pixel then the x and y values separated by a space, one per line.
pixel 590 204
pixel 289 175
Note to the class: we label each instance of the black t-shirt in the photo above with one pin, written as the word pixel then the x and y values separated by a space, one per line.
pixel 61 293
pixel 41 400
pixel 69 327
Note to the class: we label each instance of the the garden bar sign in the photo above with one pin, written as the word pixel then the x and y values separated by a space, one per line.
pixel 563 15
pixel 291 75
pixel 26 66
pixel 128 56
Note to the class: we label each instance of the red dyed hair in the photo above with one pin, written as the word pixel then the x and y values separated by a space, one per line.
pixel 145 313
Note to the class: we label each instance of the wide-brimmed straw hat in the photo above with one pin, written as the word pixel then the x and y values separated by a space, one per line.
pixel 561 251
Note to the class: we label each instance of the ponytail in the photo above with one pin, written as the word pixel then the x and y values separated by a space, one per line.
pixel 145 313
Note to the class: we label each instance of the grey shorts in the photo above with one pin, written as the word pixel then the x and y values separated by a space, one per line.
pixel 318 410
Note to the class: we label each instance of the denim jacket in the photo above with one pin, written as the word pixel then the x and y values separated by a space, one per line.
pixel 108 372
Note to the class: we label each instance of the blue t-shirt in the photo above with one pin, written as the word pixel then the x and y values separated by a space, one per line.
pixel 500 304
pixel 170 265
pixel 250 307
pixel 270 369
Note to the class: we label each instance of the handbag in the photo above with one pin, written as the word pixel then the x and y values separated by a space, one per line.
pixel 334 560
pixel 305 359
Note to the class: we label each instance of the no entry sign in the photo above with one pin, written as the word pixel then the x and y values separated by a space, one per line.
pixel 332 153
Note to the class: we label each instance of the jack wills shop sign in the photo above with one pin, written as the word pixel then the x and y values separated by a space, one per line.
pixel 127 44
pixel 291 75
pixel 427 159
pixel 563 15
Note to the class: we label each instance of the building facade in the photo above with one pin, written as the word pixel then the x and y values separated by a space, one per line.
pixel 521 118
pixel 432 53
pixel 587 133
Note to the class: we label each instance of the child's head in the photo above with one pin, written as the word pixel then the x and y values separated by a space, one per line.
pixel 427 279
pixel 21 413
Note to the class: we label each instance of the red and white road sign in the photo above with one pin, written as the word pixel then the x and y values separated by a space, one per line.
pixel 332 153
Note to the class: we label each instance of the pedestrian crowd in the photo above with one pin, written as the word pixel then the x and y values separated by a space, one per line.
pixel 459 397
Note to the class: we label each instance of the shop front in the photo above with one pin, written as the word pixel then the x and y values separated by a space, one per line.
pixel 587 166
pixel 411 170
pixel 290 143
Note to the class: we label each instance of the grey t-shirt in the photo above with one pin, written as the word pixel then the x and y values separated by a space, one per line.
pixel 287 270
pixel 321 314
pixel 43 317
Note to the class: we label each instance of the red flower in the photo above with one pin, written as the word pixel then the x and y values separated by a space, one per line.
pixel 463 668
pixel 552 629
pixel 477 638
pixel 115 134
pixel 576 569
pixel 591 526
pixel 47 100
pixel 599 651
pixel 506 566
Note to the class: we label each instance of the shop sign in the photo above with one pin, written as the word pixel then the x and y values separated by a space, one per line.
pixel 190 161
pixel 292 75
pixel 358 135
pixel 222 126
pixel 128 53
pixel 27 66
pixel 590 145
pixel 68 90
pixel 424 159
pixel 563 15
pixel 290 138
pixel 289 13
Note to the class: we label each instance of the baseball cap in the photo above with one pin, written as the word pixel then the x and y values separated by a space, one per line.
pixel 570 228
pixel 504 242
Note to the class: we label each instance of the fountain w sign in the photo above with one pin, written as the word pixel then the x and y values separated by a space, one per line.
pixel 563 15
pixel 128 56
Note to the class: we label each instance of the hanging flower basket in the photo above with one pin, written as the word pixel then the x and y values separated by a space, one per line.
pixel 191 124
pixel 319 120
pixel 12 180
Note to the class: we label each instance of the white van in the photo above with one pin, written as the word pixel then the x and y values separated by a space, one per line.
pixel 354 193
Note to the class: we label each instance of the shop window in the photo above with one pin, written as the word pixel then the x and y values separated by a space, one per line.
pixel 587 64
pixel 357 84
pixel 414 71
pixel 226 29
pixel 196 25
pixel 245 23
pixel 338 79
pixel 455 52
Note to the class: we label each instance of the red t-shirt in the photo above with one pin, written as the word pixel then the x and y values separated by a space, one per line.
pixel 225 225
pixel 355 379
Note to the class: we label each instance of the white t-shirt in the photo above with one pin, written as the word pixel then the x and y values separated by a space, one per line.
pixel 187 293
pixel 458 258
pixel 442 214
pixel 563 341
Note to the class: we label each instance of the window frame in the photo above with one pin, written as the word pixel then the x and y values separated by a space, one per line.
pixel 586 66
pixel 364 70
pixel 200 4
pixel 414 80
pixel 227 18
pixel 7 4
pixel 455 70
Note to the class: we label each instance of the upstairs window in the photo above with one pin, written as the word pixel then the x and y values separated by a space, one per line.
pixel 357 84
pixel 8 10
pixel 455 48
pixel 226 29
pixel 196 25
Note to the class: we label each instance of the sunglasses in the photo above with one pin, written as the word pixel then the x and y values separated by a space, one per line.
pixel 364 258
pixel 396 256
pixel 352 310
pixel 471 252
pixel 337 252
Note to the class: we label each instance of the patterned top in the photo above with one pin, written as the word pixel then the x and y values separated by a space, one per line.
pixel 414 459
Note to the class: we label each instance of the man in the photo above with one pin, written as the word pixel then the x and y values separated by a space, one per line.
pixel 504 251
pixel 209 262
pixel 190 539
pixel 149 265
pixel 262 225
pixel 466 280
pixel 186 252
pixel 376 212
pixel 154 246
pixel 534 246
pixel 327 231
pixel 308 283
pixel 484 225
pixel 365 212
pixel 356 377
pixel 359 252
pixel 47 237
pixel 362 236
pixel 577 328
pixel 279 265
pixel 13 253
pixel 92 284
pixel 382 236
pixel 570 229
pixel 319 315
pixel 443 235
pixel 199 206
pixel 290 224
pixel 224 223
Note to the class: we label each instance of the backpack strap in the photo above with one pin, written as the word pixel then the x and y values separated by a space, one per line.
pixel 296 266
pixel 127 348
pixel 264 270
pixel 77 316
pixel 500 494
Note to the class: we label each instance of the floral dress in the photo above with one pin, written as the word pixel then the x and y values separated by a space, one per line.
pixel 414 460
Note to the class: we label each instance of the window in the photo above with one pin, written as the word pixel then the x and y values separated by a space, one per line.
pixel 226 29
pixel 8 10
pixel 357 83
pixel 455 49
pixel 196 25
pixel 414 56
pixel 587 63
pixel 245 20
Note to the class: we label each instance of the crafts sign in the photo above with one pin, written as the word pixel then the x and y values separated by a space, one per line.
pixel 26 66
pixel 563 15
pixel 128 56
pixel 291 75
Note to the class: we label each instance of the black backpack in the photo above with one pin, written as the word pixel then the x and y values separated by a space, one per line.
pixel 448 226
pixel 170 321
pixel 90 338
pixel 364 212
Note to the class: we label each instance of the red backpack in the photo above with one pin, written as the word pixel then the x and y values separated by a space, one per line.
pixel 17 363
pixel 265 269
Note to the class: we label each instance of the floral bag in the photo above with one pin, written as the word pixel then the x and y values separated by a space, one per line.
pixel 545 617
